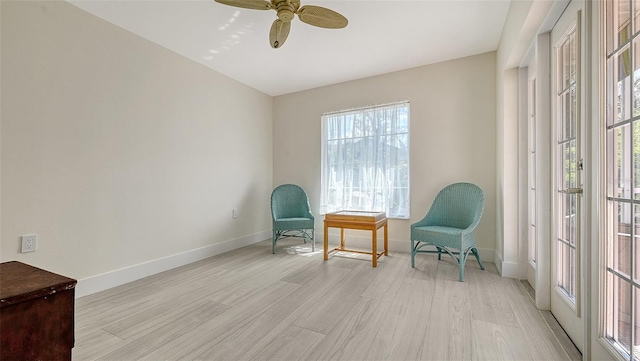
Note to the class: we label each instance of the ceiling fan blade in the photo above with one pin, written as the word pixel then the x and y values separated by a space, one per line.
pixel 321 17
pixel 279 33
pixel 248 4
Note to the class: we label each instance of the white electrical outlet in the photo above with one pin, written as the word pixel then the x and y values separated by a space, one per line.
pixel 234 214
pixel 29 243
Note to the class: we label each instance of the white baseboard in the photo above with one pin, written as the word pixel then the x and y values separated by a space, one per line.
pixel 121 276
pixel 507 269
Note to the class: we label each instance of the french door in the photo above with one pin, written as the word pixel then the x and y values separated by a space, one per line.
pixel 622 265
pixel 567 222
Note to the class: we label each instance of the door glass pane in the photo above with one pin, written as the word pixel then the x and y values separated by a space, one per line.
pixel 572 58
pixel 563 214
pixel 571 159
pixel 563 256
pixel 573 218
pixel 623 312
pixel 573 113
pixel 618 19
pixel 636 77
pixel 567 263
pixel 618 325
pixel 620 260
pixel 618 86
pixel 568 214
pixel 565 51
pixel 619 168
pixel 573 267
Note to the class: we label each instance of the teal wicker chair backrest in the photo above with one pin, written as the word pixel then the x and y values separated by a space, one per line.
pixel 459 205
pixel 289 201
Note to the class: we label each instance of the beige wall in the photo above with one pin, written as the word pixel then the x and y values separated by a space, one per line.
pixel 453 134
pixel 117 152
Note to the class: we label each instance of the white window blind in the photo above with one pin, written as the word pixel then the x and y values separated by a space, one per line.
pixel 365 160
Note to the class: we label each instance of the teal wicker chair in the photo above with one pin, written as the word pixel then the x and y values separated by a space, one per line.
pixel 291 214
pixel 449 224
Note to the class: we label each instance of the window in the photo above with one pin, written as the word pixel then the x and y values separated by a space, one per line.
pixel 365 160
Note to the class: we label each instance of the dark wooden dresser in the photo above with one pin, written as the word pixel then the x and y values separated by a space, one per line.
pixel 36 313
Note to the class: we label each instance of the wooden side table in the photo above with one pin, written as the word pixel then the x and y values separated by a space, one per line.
pixel 36 313
pixel 371 221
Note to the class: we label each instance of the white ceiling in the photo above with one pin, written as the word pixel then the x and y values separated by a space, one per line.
pixel 382 37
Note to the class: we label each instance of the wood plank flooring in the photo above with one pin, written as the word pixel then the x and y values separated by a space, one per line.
pixel 249 304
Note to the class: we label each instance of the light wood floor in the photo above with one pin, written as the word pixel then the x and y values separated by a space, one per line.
pixel 251 305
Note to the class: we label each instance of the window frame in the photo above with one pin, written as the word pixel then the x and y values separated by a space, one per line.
pixel 325 206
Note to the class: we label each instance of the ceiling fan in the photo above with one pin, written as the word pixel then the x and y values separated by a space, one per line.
pixel 312 15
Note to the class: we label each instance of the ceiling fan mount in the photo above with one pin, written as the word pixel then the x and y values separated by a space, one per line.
pixel 286 11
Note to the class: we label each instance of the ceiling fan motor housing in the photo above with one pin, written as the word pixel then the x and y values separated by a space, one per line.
pixel 285 15
pixel 285 11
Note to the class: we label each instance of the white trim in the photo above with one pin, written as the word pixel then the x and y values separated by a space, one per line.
pixel 524 226
pixel 506 269
pixel 121 276
pixel 543 172
pixel 595 277
pixel 511 270
pixel 563 295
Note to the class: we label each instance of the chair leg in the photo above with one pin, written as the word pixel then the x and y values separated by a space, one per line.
pixel 413 254
pixel 313 240
pixel 462 261
pixel 274 240
pixel 475 253
pixel 439 253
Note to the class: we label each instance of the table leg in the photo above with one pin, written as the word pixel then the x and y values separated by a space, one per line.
pixel 326 241
pixel 386 240
pixel 342 238
pixel 374 246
